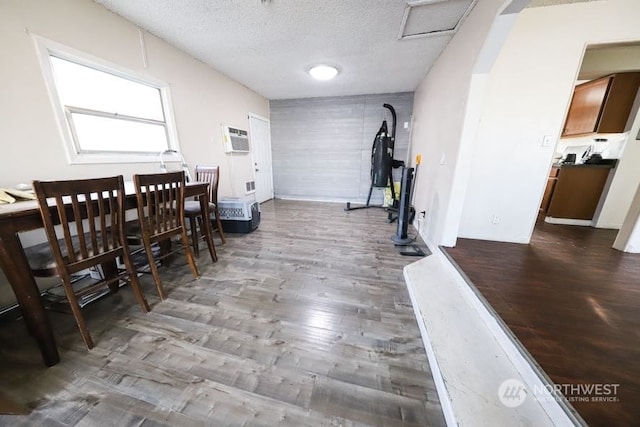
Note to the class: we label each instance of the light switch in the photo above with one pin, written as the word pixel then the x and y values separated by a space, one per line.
pixel 406 125
pixel 547 140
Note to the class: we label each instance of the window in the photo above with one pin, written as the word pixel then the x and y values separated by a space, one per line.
pixel 106 114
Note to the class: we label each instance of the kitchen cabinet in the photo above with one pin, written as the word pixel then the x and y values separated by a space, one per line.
pixel 577 191
pixel 602 105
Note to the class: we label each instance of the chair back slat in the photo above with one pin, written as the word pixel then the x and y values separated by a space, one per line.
pixel 105 207
pixel 91 220
pixel 77 218
pixel 117 222
pixel 64 223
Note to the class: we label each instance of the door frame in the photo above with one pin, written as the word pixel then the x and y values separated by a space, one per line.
pixel 268 161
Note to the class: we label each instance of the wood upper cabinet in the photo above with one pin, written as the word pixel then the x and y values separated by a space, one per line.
pixel 602 105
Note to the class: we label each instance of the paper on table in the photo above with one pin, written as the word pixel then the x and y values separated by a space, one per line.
pixel 11 195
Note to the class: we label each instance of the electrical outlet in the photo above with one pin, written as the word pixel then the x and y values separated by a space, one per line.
pixel 495 220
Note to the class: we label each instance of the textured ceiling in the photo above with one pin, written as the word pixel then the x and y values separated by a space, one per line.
pixel 269 45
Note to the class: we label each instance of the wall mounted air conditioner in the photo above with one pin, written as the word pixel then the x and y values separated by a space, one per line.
pixel 235 140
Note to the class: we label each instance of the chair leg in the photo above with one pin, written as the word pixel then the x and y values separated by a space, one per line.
pixel 190 258
pixel 134 282
pixel 154 269
pixel 110 271
pixel 207 232
pixel 219 225
pixel 194 235
pixel 77 311
pixel 165 250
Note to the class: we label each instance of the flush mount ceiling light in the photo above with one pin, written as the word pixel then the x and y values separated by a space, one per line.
pixel 323 72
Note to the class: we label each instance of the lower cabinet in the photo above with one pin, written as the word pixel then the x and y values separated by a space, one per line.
pixel 577 191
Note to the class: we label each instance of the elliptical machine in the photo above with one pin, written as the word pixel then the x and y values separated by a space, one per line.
pixel 382 164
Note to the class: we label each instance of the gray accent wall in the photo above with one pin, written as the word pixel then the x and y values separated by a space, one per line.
pixel 322 146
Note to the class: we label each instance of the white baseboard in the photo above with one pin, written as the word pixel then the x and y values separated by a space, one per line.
pixel 568 221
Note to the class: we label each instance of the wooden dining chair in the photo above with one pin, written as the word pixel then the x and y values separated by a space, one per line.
pixel 90 214
pixel 160 200
pixel 193 211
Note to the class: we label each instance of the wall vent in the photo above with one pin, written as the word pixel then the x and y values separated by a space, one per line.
pixel 235 140
pixel 250 187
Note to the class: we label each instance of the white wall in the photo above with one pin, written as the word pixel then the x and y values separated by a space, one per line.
pixel 527 97
pixel 440 104
pixel 30 143
pixel 322 146
pixel 602 60
pixel 624 183
pixel 202 97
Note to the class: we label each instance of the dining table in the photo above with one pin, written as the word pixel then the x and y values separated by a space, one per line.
pixel 22 216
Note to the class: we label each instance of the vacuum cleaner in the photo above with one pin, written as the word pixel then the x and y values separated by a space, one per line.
pixel 406 213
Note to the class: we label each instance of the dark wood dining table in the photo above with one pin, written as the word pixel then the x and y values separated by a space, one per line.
pixel 24 216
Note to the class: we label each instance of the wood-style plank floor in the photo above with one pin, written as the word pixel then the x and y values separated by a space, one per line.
pixel 305 322
pixel 574 303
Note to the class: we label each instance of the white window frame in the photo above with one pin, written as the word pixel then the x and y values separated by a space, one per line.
pixel 47 48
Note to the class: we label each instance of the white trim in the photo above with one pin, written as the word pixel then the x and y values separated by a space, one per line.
pixel 609 225
pixel 568 221
pixel 45 48
pixel 441 388
pixel 256 116
pixel 326 200
pixel 310 199
pixel 269 151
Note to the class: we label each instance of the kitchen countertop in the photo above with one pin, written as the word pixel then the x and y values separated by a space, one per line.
pixel 607 164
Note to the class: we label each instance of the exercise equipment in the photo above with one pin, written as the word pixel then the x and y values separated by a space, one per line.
pixel 177 157
pixel 382 162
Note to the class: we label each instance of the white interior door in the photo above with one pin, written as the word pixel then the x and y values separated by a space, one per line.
pixel 260 134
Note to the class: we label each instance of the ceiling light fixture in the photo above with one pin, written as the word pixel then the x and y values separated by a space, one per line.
pixel 323 72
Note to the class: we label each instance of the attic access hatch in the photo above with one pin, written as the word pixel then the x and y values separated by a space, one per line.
pixel 235 140
pixel 426 18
